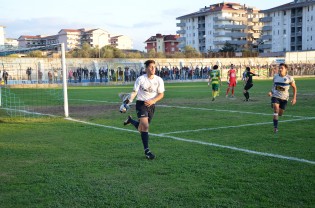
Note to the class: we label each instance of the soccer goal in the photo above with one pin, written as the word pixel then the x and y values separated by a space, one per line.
pixel 32 87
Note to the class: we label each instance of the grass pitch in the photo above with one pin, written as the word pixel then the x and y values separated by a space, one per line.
pixel 209 154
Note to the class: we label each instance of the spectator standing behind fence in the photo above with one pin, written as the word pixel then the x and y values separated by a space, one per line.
pixel 50 77
pixel 5 76
pixel 75 76
pixel 40 76
pixel 29 73
pixel 70 75
pixel 55 75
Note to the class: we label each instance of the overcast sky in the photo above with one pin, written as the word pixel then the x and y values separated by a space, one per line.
pixel 138 19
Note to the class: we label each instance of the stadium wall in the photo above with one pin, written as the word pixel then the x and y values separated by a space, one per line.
pixel 16 67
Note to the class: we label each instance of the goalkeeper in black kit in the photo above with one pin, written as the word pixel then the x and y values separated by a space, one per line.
pixel 149 89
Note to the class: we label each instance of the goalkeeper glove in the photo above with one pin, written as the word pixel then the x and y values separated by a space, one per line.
pixel 127 101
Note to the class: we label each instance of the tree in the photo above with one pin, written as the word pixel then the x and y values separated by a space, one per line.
pixel 191 52
pixel 36 53
pixel 151 53
pixel 228 47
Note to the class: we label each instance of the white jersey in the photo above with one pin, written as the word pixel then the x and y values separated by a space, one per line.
pixel 281 86
pixel 147 88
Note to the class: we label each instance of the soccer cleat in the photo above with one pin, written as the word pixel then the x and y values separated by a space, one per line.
pixel 213 99
pixel 275 130
pixel 149 155
pixel 128 120
pixel 226 96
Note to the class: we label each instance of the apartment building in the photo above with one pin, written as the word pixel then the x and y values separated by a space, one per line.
pixel 163 43
pixel 121 42
pixel 74 38
pixel 212 26
pixel 289 27
pixel 2 35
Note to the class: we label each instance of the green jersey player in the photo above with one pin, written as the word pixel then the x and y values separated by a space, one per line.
pixel 215 80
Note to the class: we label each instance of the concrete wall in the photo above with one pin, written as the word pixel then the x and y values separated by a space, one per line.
pixel 16 67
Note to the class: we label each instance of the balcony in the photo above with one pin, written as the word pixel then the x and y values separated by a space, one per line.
pixel 239 27
pixel 229 19
pixel 256 27
pixel 264 46
pixel 181 39
pixel 266 37
pixel 233 42
pixel 228 34
pixel 181 24
pixel 181 32
pixel 253 19
pixel 255 35
pixel 266 28
pixel 266 19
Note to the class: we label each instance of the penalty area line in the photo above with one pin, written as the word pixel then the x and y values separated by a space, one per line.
pixel 202 143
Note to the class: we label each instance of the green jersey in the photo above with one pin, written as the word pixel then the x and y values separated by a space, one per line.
pixel 215 75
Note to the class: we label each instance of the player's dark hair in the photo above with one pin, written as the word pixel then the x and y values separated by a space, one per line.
pixel 283 64
pixel 148 62
pixel 215 67
pixel 247 68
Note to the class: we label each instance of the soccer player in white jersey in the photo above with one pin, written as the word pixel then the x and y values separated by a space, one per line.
pixel 149 89
pixel 280 93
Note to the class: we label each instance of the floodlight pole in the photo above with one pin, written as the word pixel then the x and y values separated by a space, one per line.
pixel 64 80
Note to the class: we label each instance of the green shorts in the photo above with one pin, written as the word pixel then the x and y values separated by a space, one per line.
pixel 215 87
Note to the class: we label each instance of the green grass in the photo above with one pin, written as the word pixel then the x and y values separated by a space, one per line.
pixel 53 162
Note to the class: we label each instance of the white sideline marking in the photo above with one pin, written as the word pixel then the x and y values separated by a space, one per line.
pixel 193 108
pixel 203 143
pixel 229 111
pixel 227 127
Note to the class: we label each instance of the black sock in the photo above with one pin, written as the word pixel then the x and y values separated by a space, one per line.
pixel 247 95
pixel 134 123
pixel 275 123
pixel 145 139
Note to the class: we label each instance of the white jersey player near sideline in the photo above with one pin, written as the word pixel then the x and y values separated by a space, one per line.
pixel 280 93
pixel 149 89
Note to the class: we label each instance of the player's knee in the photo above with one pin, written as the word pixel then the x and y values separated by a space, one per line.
pixel 143 127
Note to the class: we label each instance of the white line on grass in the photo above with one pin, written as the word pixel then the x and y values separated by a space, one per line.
pixel 238 126
pixel 229 111
pixel 203 143
pixel 193 108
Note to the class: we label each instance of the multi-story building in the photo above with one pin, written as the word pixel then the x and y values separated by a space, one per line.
pixel 210 28
pixel 11 43
pixel 72 38
pixel 121 42
pixel 289 27
pixel 163 43
pixel 2 35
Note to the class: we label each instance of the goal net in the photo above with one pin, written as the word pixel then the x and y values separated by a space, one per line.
pixel 33 87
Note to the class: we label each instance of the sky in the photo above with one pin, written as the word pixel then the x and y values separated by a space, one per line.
pixel 138 19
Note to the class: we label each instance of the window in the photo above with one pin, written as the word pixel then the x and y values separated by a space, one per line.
pixel 284 32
